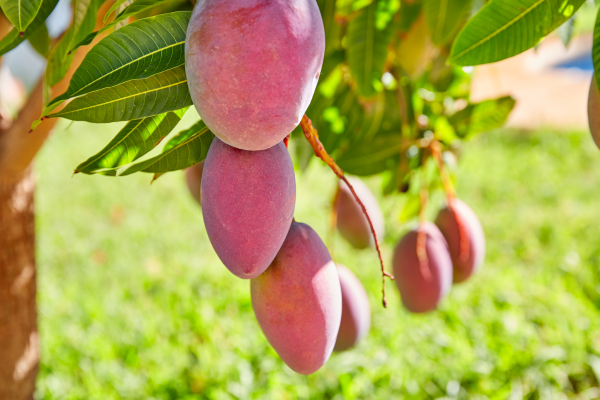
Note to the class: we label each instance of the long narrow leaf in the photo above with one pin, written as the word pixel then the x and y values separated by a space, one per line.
pixel 138 50
pixel 136 138
pixel 187 148
pixel 368 41
pixel 117 4
pixel 445 18
pixel 135 99
pixel 40 41
pixel 20 12
pixel 371 157
pixel 504 28
pixel 482 117
pixel 84 20
pixel 13 38
pixel 596 49
pixel 129 11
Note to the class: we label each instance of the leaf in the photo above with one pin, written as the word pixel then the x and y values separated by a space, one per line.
pixel 445 18
pixel 504 28
pixel 416 50
pixel 138 50
pixel 332 28
pixel 336 119
pixel 187 148
pixel 84 20
pixel 409 14
pixel 368 40
pixel 331 61
pixel 371 157
pixel 134 99
pixel 565 31
pixel 137 7
pixel 117 4
pixel 136 138
pixel 482 117
pixel 20 13
pixel 13 38
pixel 596 48
pixel 130 10
pixel 40 41
pixel 411 208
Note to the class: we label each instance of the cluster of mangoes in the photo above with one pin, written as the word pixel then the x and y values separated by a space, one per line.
pixel 428 259
pixel 252 68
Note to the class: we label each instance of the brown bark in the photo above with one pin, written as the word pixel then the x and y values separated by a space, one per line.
pixel 19 352
pixel 19 343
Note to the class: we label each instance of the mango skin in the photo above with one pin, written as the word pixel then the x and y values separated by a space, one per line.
pixel 473 232
pixel 193 178
pixel 253 66
pixel 356 312
pixel 419 294
pixel 298 301
pixel 248 200
pixel 594 111
pixel 351 222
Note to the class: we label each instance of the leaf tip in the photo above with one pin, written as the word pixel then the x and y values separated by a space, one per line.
pixel 21 33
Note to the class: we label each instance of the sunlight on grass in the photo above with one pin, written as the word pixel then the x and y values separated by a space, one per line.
pixel 135 304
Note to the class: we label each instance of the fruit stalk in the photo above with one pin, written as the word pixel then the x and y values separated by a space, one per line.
pixel 422 238
pixel 311 134
pixel 436 153
pixel 434 147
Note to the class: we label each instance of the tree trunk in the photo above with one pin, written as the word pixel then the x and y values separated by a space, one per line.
pixel 18 317
pixel 19 340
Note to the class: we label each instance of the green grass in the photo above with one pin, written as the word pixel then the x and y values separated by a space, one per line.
pixel 135 304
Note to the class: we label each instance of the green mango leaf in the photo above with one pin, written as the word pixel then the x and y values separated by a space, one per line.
pixel 138 50
pixel 369 35
pixel 411 208
pixel 137 6
pixel 13 38
pixel 333 30
pixel 136 138
pixel 40 41
pixel 445 18
pixel 167 91
pixel 117 4
pixel 336 119
pixel 331 61
pixel 347 7
pixel 504 28
pixel 596 49
pixel 84 20
pixel 187 148
pixel 409 14
pixel 482 117
pixel 20 13
pixel 372 156
pixel 132 9
pixel 566 30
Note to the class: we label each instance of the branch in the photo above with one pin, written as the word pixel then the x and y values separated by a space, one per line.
pixel 310 133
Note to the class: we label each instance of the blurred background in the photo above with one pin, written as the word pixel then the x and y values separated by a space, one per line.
pixel 134 303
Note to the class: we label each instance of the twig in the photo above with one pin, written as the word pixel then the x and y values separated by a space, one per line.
pixel 310 133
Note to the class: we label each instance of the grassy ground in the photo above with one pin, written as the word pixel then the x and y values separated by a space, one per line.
pixel 135 304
